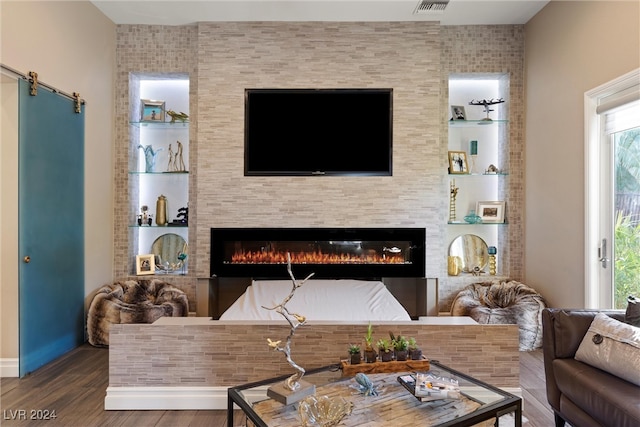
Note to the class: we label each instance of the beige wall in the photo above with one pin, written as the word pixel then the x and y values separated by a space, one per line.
pixel 8 219
pixel 570 48
pixel 71 45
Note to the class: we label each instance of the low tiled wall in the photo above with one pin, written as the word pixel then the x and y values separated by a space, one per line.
pixel 198 352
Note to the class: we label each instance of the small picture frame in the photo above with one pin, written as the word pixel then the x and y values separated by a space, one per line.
pixel 458 113
pixel 151 110
pixel 458 163
pixel 491 212
pixel 145 264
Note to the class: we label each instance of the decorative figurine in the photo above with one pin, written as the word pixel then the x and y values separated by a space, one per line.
pixel 144 220
pixel 453 192
pixel 182 258
pixel 172 160
pixel 179 162
pixel 144 217
pixel 291 390
pixel 183 117
pixel 492 169
pixel 486 104
pixel 184 213
pixel 365 386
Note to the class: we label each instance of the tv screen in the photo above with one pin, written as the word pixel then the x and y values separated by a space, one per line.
pixel 318 132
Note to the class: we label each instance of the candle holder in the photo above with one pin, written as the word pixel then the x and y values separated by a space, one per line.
pixel 492 260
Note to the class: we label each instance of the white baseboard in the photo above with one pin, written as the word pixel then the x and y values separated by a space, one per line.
pixel 185 398
pixel 172 398
pixel 9 368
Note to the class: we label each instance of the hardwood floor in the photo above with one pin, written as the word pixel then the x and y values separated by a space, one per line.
pixel 534 394
pixel 74 387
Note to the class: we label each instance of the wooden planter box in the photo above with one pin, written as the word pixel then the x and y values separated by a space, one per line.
pixel 349 370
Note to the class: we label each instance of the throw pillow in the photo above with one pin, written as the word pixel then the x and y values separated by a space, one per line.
pixel 632 315
pixel 612 346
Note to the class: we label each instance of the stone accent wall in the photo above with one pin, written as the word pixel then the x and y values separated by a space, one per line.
pixel 231 353
pixel 402 56
pixel 222 59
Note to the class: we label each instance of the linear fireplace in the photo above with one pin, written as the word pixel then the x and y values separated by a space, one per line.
pixel 326 252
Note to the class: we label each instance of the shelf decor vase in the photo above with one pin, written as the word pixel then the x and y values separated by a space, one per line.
pixel 472 218
pixel 149 157
pixel 454 265
pixel 161 210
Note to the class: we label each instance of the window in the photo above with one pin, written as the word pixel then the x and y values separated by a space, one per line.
pixel 612 235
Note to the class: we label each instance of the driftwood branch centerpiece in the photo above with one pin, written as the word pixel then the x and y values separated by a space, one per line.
pixel 292 389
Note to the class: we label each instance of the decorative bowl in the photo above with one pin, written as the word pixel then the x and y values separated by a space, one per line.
pixel 323 411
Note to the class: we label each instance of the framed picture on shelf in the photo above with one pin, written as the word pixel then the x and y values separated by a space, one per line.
pixel 458 162
pixel 458 113
pixel 491 212
pixel 151 111
pixel 145 264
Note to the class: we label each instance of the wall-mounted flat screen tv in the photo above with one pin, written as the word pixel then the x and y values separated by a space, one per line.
pixel 318 132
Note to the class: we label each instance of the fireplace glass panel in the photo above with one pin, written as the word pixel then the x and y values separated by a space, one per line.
pixel 318 252
pixel 325 252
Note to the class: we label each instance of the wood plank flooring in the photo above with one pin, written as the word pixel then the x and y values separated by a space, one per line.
pixel 74 386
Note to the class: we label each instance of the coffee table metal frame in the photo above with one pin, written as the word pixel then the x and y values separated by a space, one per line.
pixel 510 403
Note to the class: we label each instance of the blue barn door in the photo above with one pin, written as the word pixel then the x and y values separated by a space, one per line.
pixel 50 226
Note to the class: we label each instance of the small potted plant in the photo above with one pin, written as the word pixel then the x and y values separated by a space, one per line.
pixel 355 357
pixel 369 353
pixel 384 350
pixel 401 345
pixel 414 352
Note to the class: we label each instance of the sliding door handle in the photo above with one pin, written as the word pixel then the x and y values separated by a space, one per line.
pixel 602 254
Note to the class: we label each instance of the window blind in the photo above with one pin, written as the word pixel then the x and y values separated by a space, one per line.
pixel 621 110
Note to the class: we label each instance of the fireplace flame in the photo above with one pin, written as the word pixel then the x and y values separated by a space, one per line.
pixel 276 257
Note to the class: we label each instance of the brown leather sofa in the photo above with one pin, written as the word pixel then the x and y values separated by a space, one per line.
pixel 580 394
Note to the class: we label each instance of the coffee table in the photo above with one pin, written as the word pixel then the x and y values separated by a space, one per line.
pixel 393 406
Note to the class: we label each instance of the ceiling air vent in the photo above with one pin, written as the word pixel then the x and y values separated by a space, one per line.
pixel 430 6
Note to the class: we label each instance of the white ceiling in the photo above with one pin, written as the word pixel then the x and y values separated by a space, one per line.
pixel 457 12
